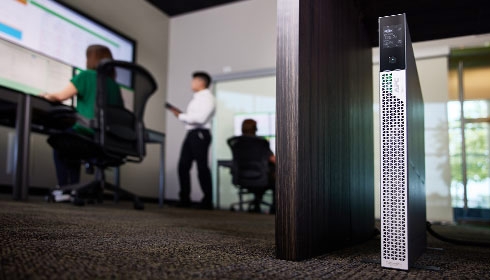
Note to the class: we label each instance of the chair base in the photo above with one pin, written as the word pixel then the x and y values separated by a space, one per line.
pixel 253 205
pixel 80 194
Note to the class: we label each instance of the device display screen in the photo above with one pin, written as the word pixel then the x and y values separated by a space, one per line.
pixel 392 43
pixel 393 36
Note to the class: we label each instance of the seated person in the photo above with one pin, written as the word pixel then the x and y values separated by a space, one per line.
pixel 84 86
pixel 249 129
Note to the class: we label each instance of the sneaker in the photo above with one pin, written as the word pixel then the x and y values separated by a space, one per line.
pixel 59 196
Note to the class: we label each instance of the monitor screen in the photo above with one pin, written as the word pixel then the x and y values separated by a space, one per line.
pixel 42 42
pixel 265 123
pixel 29 72
pixel 272 143
pixel 53 29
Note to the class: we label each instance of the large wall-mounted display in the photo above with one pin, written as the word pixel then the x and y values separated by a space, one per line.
pixel 42 42
pixel 55 30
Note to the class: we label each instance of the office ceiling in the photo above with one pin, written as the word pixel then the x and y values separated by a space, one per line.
pixel 430 19
pixel 178 7
pixel 427 19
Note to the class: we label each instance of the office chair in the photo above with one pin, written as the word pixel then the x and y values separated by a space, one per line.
pixel 7 113
pixel 250 170
pixel 118 133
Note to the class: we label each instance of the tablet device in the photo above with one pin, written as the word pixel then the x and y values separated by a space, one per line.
pixel 170 106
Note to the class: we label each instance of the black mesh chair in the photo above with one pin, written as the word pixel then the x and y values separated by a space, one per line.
pixel 118 132
pixel 250 170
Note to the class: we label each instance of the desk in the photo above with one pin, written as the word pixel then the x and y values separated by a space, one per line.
pixel 28 113
pixel 25 113
pixel 227 163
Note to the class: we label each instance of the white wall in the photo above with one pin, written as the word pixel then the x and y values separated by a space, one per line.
pixel 149 27
pixel 240 37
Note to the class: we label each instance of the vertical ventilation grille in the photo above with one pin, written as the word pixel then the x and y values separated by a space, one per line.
pixel 393 173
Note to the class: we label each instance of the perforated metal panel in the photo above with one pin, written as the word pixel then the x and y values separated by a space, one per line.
pixel 394 194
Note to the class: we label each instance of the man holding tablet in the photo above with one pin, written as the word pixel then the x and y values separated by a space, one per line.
pixel 197 120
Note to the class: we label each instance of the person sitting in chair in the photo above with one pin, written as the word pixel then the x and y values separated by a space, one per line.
pixel 84 86
pixel 249 130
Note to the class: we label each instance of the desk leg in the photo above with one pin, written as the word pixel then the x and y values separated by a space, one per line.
pixel 162 175
pixel 21 148
pixel 217 188
pixel 117 183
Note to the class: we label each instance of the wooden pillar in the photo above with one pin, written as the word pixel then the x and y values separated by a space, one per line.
pixel 325 173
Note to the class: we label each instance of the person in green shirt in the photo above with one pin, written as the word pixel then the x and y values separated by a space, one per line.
pixel 84 86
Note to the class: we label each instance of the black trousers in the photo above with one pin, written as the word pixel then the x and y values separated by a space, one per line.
pixel 195 147
pixel 67 170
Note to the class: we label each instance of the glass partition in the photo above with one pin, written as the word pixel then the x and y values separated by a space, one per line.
pixel 237 100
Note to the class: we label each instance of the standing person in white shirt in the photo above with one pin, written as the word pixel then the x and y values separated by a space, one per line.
pixel 197 120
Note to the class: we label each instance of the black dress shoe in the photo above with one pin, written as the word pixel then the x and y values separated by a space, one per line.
pixel 183 204
pixel 206 206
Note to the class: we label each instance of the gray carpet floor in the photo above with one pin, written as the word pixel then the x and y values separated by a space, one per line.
pixel 39 240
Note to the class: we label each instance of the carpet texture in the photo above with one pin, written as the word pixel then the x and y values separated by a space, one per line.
pixel 39 240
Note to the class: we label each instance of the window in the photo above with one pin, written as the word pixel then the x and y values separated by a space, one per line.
pixel 469 132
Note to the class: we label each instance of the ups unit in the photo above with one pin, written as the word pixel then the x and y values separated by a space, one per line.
pixel 403 209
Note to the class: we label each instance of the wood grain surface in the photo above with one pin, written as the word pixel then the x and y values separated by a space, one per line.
pixel 325 172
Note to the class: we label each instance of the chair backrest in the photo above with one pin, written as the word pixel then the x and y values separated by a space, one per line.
pixel 250 161
pixel 119 129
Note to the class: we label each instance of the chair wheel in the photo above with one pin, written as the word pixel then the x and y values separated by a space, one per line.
pixel 91 201
pixel 78 201
pixel 138 205
pixel 49 198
